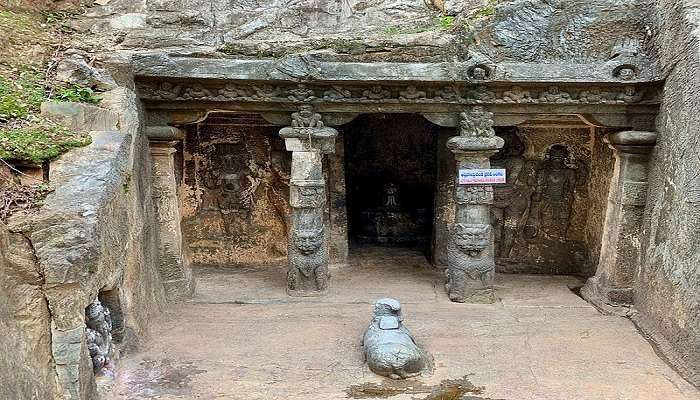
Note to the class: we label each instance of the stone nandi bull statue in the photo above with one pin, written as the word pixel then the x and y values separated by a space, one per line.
pixel 390 350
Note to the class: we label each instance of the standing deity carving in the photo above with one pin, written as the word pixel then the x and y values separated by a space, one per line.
pixel 555 184
pixel 226 178
pixel 511 199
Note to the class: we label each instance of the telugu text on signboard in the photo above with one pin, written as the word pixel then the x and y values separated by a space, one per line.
pixel 481 176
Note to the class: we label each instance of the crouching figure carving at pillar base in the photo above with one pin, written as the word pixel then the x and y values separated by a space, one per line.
pixel 390 350
pixel 308 263
pixel 471 267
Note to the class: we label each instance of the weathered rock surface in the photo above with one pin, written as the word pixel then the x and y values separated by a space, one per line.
pixel 94 235
pixel 387 30
pixel 79 116
pixel 76 69
pixel 667 288
pixel 24 323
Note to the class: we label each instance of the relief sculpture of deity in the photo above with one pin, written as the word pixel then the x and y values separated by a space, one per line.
pixel 226 182
pixel 551 202
pixel 470 275
pixel 308 259
pixel 512 199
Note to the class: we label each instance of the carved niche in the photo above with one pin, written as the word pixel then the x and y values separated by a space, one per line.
pixel 555 182
pixel 532 212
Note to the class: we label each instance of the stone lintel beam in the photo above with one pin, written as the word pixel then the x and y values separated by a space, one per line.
pixel 331 119
pixel 176 116
pixel 173 263
pixel 611 288
pixel 638 116
pixel 296 68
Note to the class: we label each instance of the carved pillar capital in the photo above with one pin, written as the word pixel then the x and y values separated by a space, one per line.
pixel 164 133
pixel 161 148
pixel 632 142
pixel 476 138
pixel 308 133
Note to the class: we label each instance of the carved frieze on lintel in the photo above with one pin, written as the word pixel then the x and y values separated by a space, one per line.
pixel 456 93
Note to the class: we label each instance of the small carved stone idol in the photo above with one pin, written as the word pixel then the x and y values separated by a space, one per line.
pixel 390 196
pixel 99 337
pixel 390 350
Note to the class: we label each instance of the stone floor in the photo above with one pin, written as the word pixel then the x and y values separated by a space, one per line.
pixel 241 337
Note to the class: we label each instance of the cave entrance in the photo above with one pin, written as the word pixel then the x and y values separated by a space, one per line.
pixel 391 168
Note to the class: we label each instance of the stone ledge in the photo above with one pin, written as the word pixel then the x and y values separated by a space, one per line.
pixel 297 68
pixel 78 116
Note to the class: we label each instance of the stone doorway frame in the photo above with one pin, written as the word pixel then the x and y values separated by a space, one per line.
pixel 472 96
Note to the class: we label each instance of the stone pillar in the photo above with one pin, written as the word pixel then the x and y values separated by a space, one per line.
pixel 470 250
pixel 611 287
pixel 338 216
pixel 173 264
pixel 308 140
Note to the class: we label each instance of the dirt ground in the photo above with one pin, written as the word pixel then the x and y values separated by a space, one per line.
pixel 241 337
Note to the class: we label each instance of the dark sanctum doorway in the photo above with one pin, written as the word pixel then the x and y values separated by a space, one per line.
pixel 391 171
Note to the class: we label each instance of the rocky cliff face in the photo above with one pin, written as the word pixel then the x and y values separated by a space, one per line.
pixel 667 290
pixel 373 30
pixel 93 238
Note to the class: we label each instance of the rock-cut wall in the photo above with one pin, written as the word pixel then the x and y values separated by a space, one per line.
pixel 25 347
pixel 667 289
pixel 94 237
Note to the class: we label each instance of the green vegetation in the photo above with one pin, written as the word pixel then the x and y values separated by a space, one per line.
pixel 485 11
pixel 444 22
pixel 437 24
pixel 21 96
pixel 77 94
pixel 38 141
pixel 27 41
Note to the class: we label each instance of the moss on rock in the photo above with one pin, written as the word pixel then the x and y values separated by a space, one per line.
pixel 38 141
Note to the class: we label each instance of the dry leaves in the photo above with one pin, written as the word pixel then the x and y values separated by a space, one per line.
pixel 16 197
